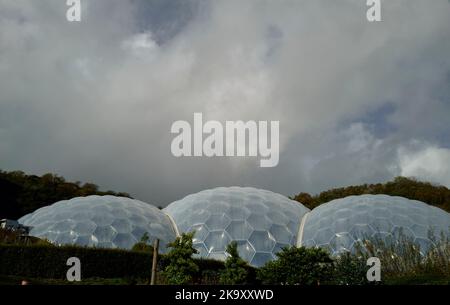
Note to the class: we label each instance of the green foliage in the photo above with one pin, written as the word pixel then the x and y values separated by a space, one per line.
pixel 404 258
pixel 297 266
pixel 22 194
pixel 43 261
pixel 235 271
pixel 142 245
pixel 435 195
pixel 180 266
pixel 350 270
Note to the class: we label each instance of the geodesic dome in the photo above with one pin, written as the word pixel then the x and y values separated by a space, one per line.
pixel 339 224
pixel 100 221
pixel 260 221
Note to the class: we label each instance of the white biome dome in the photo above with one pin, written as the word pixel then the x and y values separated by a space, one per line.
pixel 100 221
pixel 260 221
pixel 339 224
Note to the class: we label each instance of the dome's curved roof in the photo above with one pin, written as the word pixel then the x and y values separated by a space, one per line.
pixel 100 221
pixel 339 224
pixel 260 221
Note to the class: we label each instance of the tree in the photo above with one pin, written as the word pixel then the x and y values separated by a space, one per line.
pixel 436 195
pixel 235 271
pixel 180 266
pixel 22 194
pixel 297 266
pixel 306 199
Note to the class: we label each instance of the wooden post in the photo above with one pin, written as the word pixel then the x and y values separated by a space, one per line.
pixel 155 261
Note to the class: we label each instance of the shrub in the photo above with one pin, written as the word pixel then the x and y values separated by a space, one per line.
pixel 235 271
pixel 349 269
pixel 46 261
pixel 180 266
pixel 43 261
pixel 302 266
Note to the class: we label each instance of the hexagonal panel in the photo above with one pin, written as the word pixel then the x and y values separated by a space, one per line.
pixel 361 231
pixel 85 227
pixel 217 241
pixel 122 225
pixel 259 222
pixel 239 229
pixel 281 233
pixel 124 240
pixel 217 222
pixel 262 241
pixel 245 249
pixel 261 258
pixel 201 232
pixel 105 234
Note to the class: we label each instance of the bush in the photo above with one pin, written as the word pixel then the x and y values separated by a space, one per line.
pixel 350 269
pixel 43 261
pixel 46 261
pixel 235 271
pixel 180 266
pixel 297 266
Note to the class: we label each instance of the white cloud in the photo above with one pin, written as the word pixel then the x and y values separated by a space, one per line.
pixel 430 163
pixel 95 101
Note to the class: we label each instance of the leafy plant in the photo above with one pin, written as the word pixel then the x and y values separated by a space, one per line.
pixel 297 266
pixel 180 266
pixel 350 269
pixel 235 271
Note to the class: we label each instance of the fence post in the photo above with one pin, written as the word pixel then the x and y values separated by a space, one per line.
pixel 155 261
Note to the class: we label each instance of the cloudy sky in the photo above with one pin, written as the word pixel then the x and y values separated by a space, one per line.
pixel 357 102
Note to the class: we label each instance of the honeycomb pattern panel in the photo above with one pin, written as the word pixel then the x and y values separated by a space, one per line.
pixel 340 224
pixel 100 221
pixel 260 221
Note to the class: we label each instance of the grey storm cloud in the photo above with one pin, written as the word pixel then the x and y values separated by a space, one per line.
pixel 357 102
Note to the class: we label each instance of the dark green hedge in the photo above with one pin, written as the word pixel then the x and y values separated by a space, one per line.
pixel 44 261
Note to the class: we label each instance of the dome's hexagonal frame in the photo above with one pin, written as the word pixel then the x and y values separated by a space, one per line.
pixel 340 224
pixel 260 221
pixel 100 221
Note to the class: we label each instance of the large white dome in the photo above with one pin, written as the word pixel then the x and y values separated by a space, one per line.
pixel 339 224
pixel 100 221
pixel 260 221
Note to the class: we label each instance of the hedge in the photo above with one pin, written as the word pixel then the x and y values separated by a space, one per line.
pixel 49 262
pixel 41 261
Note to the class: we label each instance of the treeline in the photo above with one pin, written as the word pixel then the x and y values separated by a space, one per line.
pixel 21 194
pixel 405 187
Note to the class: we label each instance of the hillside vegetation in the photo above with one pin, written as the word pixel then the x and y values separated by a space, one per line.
pixel 436 195
pixel 21 194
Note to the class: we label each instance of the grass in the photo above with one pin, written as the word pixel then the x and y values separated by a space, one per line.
pixel 403 261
